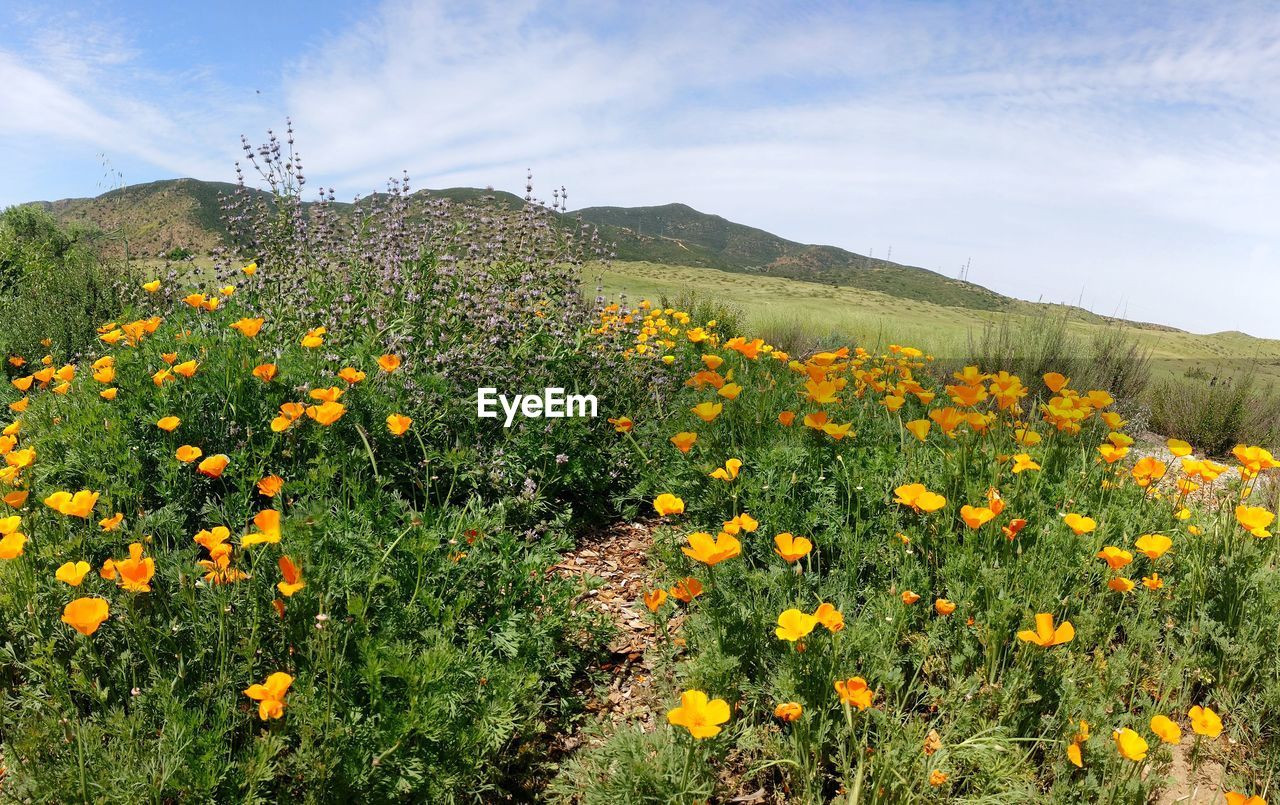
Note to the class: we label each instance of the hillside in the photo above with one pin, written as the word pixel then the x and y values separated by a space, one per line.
pixel 676 234
pixel 805 312
pixel 156 216
pixel 159 216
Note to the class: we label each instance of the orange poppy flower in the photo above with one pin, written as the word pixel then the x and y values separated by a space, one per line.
pixel 85 615
pixel 291 576
pixel 249 328
pixel 270 695
pixel 1045 634
pixel 398 424
pixel 136 572
pixel 270 486
pixel 684 440
pixel 667 503
pixel 351 374
pixel 791 548
pixel 653 599
pixel 686 589
pixel 326 413
pixel 214 465
pixel 854 691
pixel 711 551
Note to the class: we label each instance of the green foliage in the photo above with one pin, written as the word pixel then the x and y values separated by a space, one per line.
pixel 1004 709
pixel 51 286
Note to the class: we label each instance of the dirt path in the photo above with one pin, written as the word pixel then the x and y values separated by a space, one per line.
pixel 614 558
pixel 1185 788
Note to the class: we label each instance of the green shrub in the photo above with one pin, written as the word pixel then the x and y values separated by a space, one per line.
pixel 51 286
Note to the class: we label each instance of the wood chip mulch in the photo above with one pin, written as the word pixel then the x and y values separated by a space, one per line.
pixel 610 565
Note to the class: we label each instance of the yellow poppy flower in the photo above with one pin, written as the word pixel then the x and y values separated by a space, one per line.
pixel 701 716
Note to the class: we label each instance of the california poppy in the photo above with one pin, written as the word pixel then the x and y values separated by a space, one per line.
pixel 919 428
pixel 794 624
pixel 270 486
pixel 270 695
pixel 72 573
pixel 398 424
pixel 728 472
pixel 686 590
pixel 791 548
pixel 1080 524
pixel 268 523
pixel 326 413
pixel 1255 520
pixel 711 551
pixel 214 465
pixel 1115 558
pixel 314 338
pixel 249 328
pixel 11 545
pixel 85 615
pixel 667 503
pixel 1023 462
pixel 137 571
pixel 701 716
pixel 1130 744
pixel 188 453
pixel 389 363
pixel 1205 722
pixel 1153 545
pixel 684 440
pixel 919 498
pixel 976 517
pixel 707 411
pixel 1166 730
pixel 654 599
pixel 1045 634
pixel 829 617
pixel 291 577
pixel 854 691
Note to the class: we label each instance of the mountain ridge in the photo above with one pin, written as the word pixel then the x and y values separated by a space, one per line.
pixel 185 213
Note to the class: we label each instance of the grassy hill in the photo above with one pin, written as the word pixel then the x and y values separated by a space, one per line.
pixel 676 234
pixel 785 309
pixel 674 248
pixel 159 216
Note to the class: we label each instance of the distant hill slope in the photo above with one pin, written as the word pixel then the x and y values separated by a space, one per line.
pixel 676 234
pixel 159 216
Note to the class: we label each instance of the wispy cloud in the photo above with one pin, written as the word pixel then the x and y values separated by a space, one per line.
pixel 1125 157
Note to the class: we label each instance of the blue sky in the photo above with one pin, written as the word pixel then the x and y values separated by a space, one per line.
pixel 1122 156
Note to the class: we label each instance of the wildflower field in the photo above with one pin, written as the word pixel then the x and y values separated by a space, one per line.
pixel 259 547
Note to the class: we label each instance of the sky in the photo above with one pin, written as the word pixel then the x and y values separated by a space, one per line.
pixel 1125 157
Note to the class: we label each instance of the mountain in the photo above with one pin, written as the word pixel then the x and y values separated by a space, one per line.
pixel 677 234
pixel 160 216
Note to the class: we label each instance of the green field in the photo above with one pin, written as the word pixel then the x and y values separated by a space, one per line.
pixel 827 314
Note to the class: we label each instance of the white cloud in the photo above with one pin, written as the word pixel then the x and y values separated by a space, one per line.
pixel 1124 156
